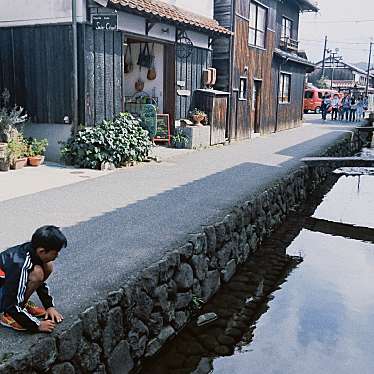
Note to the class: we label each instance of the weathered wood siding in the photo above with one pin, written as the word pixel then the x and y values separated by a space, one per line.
pixel 102 68
pixel 289 114
pixel 291 11
pixel 36 66
pixel 259 62
pixel 222 46
pixel 190 71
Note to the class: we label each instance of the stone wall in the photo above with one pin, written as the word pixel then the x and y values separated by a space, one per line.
pixel 136 320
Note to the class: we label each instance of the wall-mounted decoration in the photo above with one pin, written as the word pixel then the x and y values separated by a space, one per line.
pixel 184 46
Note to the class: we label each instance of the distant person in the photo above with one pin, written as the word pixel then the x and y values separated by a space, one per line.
pixel 326 103
pixel 346 107
pixel 335 107
pixel 24 270
pixel 366 105
pixel 353 110
pixel 360 108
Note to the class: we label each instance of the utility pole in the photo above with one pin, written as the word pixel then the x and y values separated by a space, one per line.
pixel 368 72
pixel 333 59
pixel 75 65
pixel 324 58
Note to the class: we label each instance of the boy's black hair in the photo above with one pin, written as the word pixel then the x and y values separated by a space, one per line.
pixel 48 237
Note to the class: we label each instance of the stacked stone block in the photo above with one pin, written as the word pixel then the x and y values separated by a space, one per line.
pixel 136 320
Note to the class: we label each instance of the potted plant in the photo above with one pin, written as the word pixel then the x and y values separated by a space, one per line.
pixel 179 140
pixel 11 118
pixel 16 150
pixel 36 151
pixel 198 116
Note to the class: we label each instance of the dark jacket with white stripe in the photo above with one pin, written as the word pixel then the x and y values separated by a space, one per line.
pixel 17 263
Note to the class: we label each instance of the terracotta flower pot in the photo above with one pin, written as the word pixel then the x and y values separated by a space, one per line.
pixel 35 160
pixel 19 164
pixel 197 118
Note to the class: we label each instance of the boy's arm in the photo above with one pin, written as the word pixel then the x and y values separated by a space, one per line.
pixel 13 290
pixel 44 296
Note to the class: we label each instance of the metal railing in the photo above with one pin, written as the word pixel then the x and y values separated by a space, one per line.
pixel 289 44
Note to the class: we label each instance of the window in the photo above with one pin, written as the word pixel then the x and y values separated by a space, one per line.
pixel 309 94
pixel 257 25
pixel 243 88
pixel 320 95
pixel 284 88
pixel 286 28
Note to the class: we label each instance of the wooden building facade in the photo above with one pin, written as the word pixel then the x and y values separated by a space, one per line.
pixel 36 59
pixel 261 65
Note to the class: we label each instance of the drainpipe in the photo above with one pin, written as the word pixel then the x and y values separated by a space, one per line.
pixel 231 70
pixel 75 66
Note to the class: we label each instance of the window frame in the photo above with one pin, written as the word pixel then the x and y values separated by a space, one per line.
pixel 243 97
pixel 281 87
pixel 254 30
pixel 284 27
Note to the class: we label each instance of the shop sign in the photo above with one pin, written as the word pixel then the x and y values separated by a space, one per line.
pixel 105 22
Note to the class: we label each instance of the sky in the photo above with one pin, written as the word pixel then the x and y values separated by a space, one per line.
pixel 348 24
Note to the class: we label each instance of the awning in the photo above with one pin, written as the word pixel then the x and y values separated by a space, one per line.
pixel 294 58
pixel 170 13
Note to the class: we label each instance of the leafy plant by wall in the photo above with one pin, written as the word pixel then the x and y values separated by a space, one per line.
pixel 117 141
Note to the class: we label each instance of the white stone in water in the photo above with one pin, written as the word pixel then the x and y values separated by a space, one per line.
pixel 206 318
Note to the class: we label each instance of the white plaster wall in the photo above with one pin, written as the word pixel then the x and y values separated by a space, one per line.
pixel 131 23
pixel 163 31
pixel 156 85
pixel 36 12
pixel 198 39
pixel 202 7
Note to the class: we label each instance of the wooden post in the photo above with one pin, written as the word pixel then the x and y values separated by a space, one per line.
pixel 75 66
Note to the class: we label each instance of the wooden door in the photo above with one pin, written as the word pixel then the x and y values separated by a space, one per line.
pixel 256 105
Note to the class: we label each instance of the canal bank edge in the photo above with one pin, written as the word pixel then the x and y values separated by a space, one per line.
pixel 135 321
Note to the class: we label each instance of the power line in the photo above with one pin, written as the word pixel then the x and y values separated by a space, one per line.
pixel 333 41
pixel 342 21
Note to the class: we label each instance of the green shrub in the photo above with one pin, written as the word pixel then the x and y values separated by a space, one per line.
pixel 37 147
pixel 117 141
pixel 16 148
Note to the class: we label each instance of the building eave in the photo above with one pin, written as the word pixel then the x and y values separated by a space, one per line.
pixel 170 14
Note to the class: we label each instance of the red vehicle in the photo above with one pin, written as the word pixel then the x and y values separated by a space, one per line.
pixel 313 98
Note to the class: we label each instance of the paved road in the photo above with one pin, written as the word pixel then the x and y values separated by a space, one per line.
pixel 123 221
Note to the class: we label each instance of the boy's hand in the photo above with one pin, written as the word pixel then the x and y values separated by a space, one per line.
pixel 47 326
pixel 53 315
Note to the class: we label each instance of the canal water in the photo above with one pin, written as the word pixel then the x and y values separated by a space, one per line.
pixel 304 304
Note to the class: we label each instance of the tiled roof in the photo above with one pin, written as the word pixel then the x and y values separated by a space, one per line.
pixel 171 13
pixel 307 5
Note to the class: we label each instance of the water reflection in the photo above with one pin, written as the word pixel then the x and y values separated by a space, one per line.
pixel 315 319
pixel 350 201
pixel 320 322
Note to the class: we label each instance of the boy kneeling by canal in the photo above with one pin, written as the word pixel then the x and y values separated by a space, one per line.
pixel 24 270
